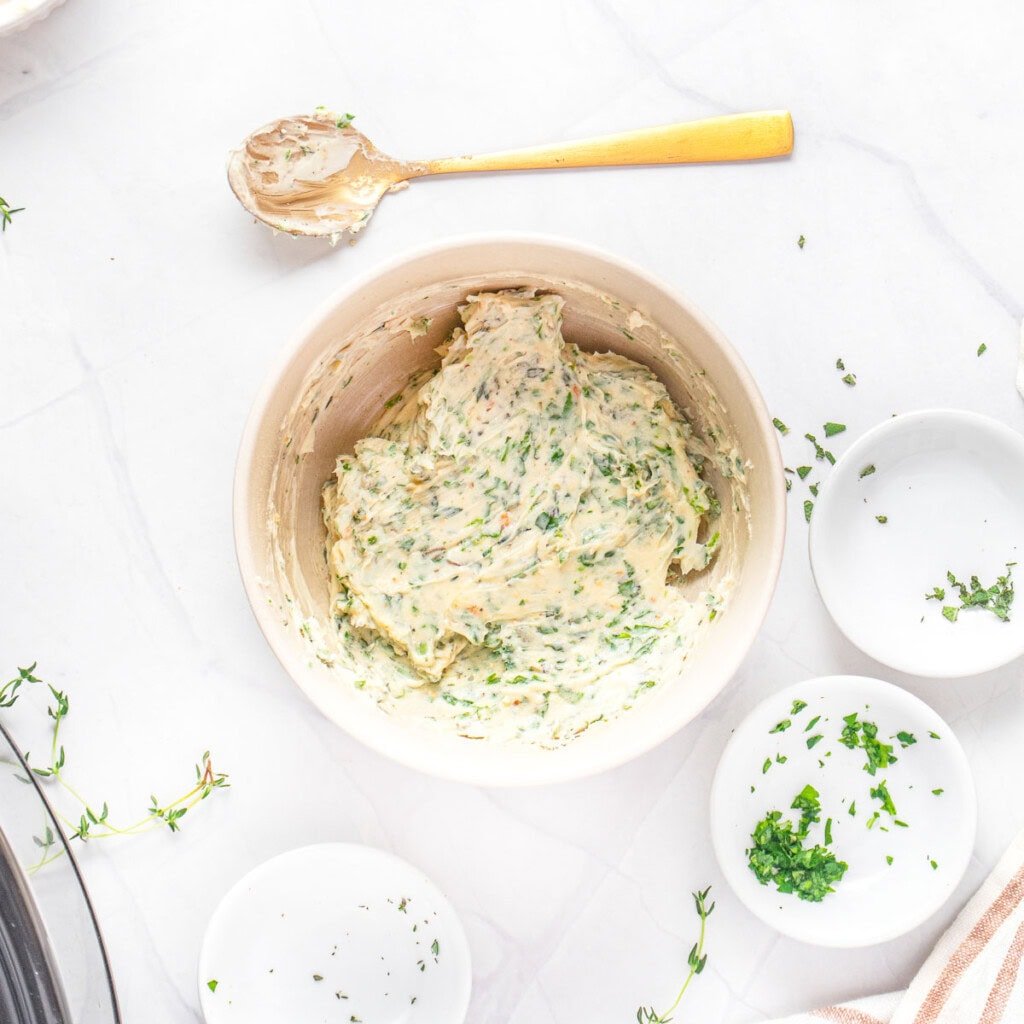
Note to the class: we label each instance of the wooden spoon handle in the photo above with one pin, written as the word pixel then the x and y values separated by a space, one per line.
pixel 733 137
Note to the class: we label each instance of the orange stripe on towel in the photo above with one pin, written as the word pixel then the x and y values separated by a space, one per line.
pixel 971 948
pixel 995 1005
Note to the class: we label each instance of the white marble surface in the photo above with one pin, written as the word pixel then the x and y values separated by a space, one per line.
pixel 139 309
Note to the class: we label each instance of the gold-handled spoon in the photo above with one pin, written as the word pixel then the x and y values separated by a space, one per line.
pixel 317 175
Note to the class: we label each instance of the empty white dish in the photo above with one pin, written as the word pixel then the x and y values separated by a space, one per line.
pixel 950 486
pixel 876 900
pixel 334 932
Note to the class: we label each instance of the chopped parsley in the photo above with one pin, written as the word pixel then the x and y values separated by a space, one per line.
pixel 803 472
pixel 813 741
pixel 779 425
pixel 819 452
pixel 882 519
pixel 996 599
pixel 212 984
pixel 907 739
pixel 798 706
pixel 831 429
pixel 780 726
pixel 938 792
pixel 781 856
pixel 981 349
pixel 801 241
pixel 864 735
pixel 867 470
pixel 881 793
pixel 808 509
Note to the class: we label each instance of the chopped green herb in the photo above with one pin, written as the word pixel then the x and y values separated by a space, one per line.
pixel 888 860
pixel 981 349
pixel 808 509
pixel 798 706
pixel 779 856
pixel 996 599
pixel 780 726
pixel 803 472
pixel 881 793
pixel 801 241
pixel 831 429
pixel 849 379
pixel 853 809
pixel 813 741
pixel 938 792
pixel 867 470
pixel 767 764
pixel 840 365
pixel 828 831
pixel 212 984
pixel 819 452
pixel 934 735
pixel 934 864
pixel 780 426
pixel 907 739
pixel 882 519
pixel 812 723
pixel 864 735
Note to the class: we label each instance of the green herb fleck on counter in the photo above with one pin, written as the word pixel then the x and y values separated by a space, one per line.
pixel 779 425
pixel 867 470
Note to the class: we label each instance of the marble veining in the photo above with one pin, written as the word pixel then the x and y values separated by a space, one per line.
pixel 141 309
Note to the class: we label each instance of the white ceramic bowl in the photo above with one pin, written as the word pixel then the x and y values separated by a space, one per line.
pixel 875 901
pixel 294 434
pixel 950 485
pixel 16 15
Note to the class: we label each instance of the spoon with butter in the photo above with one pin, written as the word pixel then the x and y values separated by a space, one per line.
pixel 317 175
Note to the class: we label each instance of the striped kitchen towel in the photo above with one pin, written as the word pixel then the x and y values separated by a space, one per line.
pixel 973 975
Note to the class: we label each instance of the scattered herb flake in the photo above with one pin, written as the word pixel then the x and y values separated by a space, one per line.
pixel 803 472
pixel 212 984
pixel 813 741
pixel 882 519
pixel 798 706
pixel 801 241
pixel 808 509
pixel 982 348
pixel 831 429
pixel 996 599
pixel 867 470
pixel 779 425
pixel 780 726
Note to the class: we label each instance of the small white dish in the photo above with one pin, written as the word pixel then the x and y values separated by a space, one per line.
pixel 875 901
pixel 334 932
pixel 950 485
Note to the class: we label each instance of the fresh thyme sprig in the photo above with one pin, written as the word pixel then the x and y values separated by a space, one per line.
pixel 93 824
pixel 6 213
pixel 695 961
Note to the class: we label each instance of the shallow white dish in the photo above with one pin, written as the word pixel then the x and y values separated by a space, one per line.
pixel 875 901
pixel 331 932
pixel 951 485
